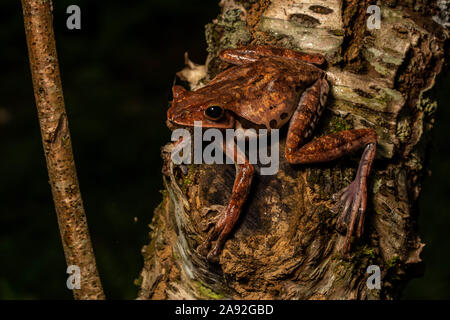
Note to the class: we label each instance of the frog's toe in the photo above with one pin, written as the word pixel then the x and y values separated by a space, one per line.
pixel 207 223
pixel 339 198
pixel 203 248
pixel 213 254
pixel 210 254
pixel 351 202
pixel 215 207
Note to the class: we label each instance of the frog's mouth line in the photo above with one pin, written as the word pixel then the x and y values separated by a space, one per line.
pixel 173 126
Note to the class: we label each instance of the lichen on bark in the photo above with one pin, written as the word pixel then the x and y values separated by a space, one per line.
pixel 285 245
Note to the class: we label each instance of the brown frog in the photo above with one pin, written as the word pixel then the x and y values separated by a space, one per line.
pixel 269 87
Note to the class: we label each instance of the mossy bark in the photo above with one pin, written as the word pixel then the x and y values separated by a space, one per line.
pixel 285 245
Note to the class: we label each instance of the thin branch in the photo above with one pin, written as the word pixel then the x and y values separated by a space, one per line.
pixel 58 147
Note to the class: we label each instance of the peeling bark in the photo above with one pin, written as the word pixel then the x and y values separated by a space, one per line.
pixel 285 245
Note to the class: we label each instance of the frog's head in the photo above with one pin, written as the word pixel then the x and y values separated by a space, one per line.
pixel 190 106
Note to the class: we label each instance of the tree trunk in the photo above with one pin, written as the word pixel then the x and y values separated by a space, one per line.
pixel 285 245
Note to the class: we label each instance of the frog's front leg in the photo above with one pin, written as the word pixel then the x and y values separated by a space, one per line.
pixel 227 219
pixel 352 199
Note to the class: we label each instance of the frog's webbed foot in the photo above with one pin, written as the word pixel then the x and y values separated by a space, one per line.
pixel 219 222
pixel 203 248
pixel 352 201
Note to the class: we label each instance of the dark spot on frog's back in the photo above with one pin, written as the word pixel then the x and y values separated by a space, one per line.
pixel 283 116
pixel 304 20
pixel 273 123
pixel 320 9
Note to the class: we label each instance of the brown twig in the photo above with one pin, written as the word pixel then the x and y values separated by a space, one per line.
pixel 57 146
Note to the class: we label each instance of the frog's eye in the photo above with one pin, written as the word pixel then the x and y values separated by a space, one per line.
pixel 214 112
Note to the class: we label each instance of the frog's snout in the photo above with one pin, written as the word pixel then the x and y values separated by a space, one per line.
pixel 179 117
pixel 173 115
pixel 172 121
pixel 171 118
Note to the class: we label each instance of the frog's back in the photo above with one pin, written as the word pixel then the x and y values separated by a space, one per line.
pixel 265 92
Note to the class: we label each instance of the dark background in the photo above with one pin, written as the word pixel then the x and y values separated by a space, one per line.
pixel 117 72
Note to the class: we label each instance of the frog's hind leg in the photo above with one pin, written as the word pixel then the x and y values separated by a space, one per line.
pixel 353 199
pixel 243 55
pixel 227 219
